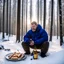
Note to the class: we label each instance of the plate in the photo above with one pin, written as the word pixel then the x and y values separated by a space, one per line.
pixel 23 57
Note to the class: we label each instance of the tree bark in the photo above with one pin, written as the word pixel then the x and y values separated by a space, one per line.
pixel 7 20
pixel 3 36
pixel 18 21
pixel 52 7
pixel 60 18
pixel 44 21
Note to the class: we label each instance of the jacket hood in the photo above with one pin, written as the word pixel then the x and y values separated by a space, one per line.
pixel 39 27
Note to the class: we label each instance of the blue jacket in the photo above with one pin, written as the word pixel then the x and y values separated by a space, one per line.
pixel 39 36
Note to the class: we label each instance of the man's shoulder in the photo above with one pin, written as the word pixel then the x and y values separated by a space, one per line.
pixel 29 31
pixel 42 30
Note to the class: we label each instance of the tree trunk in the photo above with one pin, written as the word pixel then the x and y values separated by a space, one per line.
pixel 41 12
pixel 60 18
pixel 30 10
pixel 3 36
pixel 22 20
pixel 44 21
pixel 26 13
pixel 57 18
pixel 18 21
pixel 52 7
pixel 7 20
pixel 9 17
pixel 38 11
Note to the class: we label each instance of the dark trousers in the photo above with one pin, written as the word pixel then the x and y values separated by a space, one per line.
pixel 44 47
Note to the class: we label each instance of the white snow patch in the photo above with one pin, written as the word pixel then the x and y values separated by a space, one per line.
pixel 55 52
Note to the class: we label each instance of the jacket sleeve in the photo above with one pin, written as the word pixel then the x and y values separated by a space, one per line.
pixel 44 37
pixel 27 37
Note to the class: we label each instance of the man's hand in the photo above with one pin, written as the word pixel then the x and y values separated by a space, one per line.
pixel 31 43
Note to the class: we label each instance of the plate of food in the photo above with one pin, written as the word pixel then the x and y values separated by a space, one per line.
pixel 16 56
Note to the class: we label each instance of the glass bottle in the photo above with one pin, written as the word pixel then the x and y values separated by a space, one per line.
pixel 35 53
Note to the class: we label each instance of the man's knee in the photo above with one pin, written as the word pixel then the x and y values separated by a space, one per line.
pixel 24 44
pixel 44 47
pixel 25 47
pixel 46 44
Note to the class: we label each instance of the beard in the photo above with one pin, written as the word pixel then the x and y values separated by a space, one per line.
pixel 33 30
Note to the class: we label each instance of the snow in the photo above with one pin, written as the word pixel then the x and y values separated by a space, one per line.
pixel 55 52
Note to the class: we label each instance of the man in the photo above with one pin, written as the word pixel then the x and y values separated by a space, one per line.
pixel 36 37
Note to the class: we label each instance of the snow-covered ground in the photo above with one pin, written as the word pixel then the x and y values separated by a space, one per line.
pixel 55 52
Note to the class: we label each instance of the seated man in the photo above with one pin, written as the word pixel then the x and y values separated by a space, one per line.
pixel 36 37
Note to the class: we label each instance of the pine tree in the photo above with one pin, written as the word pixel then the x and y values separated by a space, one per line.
pixel 3 36
pixel 52 7
pixel 9 17
pixel 22 21
pixel 41 12
pixel 7 20
pixel 57 18
pixel 18 21
pixel 0 16
pixel 44 21
pixel 60 18
pixel 26 13
pixel 30 10
pixel 38 11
